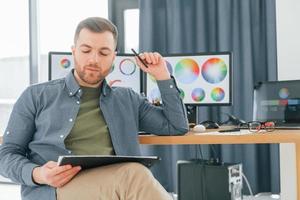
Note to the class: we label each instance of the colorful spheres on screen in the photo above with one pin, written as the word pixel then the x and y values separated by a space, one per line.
pixel 198 94
pixel 217 94
pixel 65 63
pixel 214 70
pixel 284 93
pixel 187 71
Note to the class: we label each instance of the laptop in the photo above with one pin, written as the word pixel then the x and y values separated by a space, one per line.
pixel 278 101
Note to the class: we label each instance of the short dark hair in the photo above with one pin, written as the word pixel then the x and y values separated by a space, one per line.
pixel 97 25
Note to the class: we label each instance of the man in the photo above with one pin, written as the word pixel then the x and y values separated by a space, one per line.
pixel 82 114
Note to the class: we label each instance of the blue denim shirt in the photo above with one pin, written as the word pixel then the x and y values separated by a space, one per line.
pixel 45 113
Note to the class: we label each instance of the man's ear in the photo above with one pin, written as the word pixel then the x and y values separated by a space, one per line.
pixel 73 49
pixel 115 54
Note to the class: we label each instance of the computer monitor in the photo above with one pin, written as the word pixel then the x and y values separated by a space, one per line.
pixel 59 64
pixel 277 101
pixel 202 78
pixel 124 73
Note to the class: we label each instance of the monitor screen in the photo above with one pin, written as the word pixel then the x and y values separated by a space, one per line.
pixel 277 101
pixel 60 63
pixel 203 79
pixel 124 71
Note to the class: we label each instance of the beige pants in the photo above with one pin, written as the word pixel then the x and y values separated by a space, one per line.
pixel 126 181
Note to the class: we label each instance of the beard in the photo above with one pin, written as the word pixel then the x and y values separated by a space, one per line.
pixel 90 74
pixel 90 77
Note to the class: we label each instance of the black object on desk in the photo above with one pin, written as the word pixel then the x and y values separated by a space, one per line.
pixel 210 124
pixel 144 133
pixel 230 130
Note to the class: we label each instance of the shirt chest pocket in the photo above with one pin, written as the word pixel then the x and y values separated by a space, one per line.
pixel 56 121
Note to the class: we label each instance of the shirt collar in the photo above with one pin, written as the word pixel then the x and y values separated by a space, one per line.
pixel 73 86
pixel 106 89
pixel 71 83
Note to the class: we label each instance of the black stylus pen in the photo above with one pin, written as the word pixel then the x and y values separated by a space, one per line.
pixel 229 130
pixel 137 55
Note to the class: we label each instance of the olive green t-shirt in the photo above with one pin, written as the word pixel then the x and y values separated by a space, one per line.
pixel 89 135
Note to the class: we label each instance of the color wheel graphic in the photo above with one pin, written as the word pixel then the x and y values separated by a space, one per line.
pixel 198 94
pixel 65 63
pixel 217 94
pixel 214 70
pixel 127 67
pixel 284 93
pixel 187 71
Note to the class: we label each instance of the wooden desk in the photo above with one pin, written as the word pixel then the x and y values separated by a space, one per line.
pixel 278 136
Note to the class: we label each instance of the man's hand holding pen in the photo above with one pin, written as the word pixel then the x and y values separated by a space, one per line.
pixel 154 64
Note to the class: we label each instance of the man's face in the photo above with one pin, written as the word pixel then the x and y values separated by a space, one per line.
pixel 93 56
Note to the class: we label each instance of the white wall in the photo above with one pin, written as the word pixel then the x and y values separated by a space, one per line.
pixel 288 51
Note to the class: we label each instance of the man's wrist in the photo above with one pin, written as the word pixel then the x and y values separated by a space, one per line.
pixel 36 178
pixel 162 77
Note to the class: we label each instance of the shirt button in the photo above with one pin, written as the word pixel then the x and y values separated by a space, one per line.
pixel 79 90
pixel 69 152
pixel 70 120
pixel 78 102
pixel 61 136
pixel 70 93
pixel 171 86
pixel 7 132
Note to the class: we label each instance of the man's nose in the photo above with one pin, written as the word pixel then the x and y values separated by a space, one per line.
pixel 94 58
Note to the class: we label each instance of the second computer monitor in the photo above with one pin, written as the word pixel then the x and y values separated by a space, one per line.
pixel 203 79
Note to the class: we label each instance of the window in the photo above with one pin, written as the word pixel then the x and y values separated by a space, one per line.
pixel 125 15
pixel 14 55
pixel 131 29
pixel 58 21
